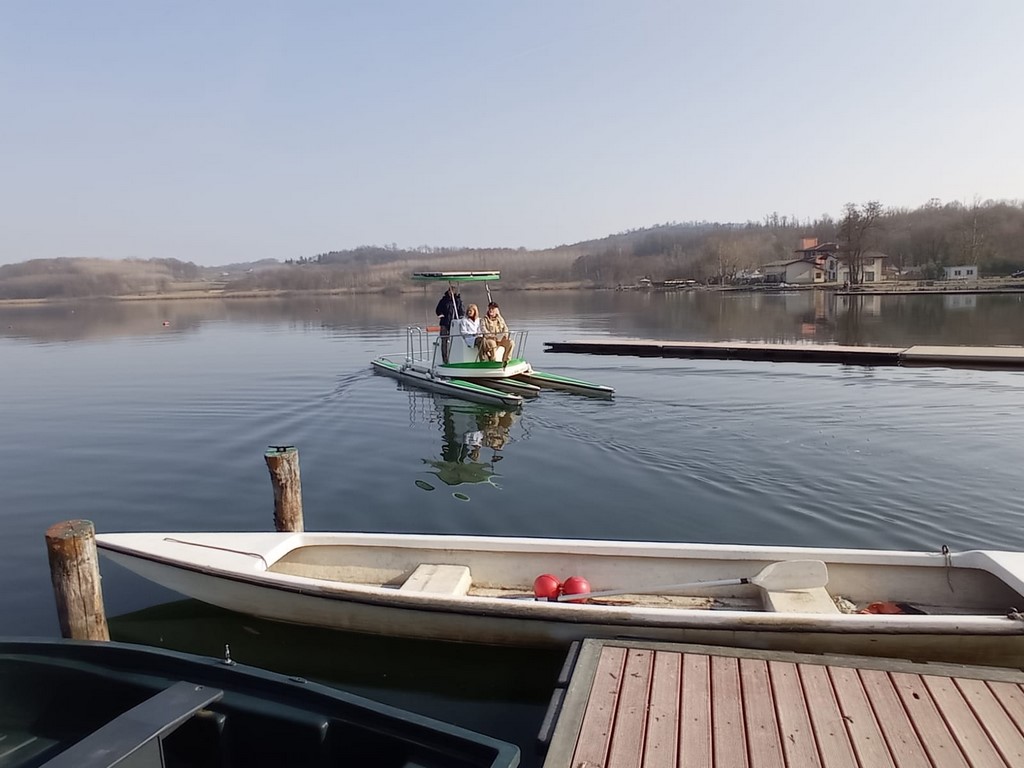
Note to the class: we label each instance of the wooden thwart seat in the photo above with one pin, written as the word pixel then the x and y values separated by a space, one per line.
pixel 816 600
pixel 440 579
pixel 135 737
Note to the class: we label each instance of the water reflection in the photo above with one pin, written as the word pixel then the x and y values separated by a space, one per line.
pixel 473 437
pixel 960 301
pixel 809 315
pixel 367 661
pixel 822 317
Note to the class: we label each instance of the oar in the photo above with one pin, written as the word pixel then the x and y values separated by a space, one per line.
pixel 776 577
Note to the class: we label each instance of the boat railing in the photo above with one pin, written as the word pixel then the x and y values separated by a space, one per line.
pixel 421 343
pixel 518 341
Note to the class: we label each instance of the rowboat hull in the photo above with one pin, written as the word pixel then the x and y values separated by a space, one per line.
pixel 100 704
pixel 356 582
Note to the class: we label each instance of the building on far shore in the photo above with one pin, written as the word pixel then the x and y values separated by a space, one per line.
pixel 822 255
pixel 816 263
pixel 872 268
pixel 793 272
pixel 960 272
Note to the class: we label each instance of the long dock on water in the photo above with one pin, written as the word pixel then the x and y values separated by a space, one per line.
pixel 918 355
pixel 642 704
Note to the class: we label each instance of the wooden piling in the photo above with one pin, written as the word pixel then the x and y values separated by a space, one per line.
pixel 283 463
pixel 75 572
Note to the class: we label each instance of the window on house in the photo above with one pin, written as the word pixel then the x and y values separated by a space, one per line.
pixel 956 273
pixel 869 277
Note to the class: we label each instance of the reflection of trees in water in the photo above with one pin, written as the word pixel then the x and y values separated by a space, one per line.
pixel 100 319
pixel 905 320
pixel 69 321
pixel 688 315
pixel 822 317
pixel 849 325
pixel 716 316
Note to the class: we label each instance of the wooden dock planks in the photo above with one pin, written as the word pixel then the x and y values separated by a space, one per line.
pixel 637 704
pixel 921 356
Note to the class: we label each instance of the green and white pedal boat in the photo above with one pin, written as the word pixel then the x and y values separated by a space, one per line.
pixel 498 382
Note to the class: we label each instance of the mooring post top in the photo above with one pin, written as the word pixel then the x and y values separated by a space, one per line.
pixel 274 450
pixel 70 529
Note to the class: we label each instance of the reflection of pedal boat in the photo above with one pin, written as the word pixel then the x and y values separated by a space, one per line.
pixel 467 429
pixel 494 382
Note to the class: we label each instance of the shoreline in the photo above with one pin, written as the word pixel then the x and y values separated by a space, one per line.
pixel 282 294
pixel 1016 287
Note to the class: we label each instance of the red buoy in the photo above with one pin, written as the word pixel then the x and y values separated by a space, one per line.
pixel 576 585
pixel 546 587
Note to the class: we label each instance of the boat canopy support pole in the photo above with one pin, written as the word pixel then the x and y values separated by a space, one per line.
pixel 455 307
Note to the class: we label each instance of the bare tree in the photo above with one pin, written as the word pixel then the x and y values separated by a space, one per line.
pixel 972 235
pixel 856 231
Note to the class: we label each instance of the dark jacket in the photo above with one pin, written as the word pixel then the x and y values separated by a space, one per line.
pixel 448 311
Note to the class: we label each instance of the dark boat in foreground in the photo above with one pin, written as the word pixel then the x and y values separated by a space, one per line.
pixel 66 704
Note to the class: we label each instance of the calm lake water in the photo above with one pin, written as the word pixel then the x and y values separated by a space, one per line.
pixel 111 415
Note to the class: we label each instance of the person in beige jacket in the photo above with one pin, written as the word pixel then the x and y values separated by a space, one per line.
pixel 495 334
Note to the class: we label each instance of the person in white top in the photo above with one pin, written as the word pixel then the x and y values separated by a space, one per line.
pixel 469 326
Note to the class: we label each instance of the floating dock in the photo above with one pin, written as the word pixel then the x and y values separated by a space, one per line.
pixel 934 356
pixel 647 705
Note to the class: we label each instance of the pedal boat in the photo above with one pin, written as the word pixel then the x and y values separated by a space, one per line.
pixel 499 382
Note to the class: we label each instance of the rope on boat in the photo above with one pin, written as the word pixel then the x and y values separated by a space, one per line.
pixel 949 566
pixel 222 549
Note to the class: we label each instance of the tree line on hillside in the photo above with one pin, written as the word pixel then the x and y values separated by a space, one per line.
pixel 68 278
pixel 919 241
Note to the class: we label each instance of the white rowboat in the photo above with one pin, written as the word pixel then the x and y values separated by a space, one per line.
pixel 957 607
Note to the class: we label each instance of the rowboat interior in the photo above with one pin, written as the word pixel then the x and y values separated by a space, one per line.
pixel 97 705
pixel 919 583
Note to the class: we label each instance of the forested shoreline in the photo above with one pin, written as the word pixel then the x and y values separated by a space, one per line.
pixel 919 241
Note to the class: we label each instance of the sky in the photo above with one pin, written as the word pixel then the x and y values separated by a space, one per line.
pixel 218 132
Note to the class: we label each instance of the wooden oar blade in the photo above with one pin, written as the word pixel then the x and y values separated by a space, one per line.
pixel 774 577
pixel 792 574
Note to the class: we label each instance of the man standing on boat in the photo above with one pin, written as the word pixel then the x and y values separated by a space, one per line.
pixel 448 309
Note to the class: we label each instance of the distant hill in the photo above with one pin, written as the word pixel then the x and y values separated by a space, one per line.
pixel 81 278
pixel 989 235
pixel 237 269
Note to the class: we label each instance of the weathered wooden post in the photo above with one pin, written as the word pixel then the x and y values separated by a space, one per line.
pixel 283 463
pixel 75 572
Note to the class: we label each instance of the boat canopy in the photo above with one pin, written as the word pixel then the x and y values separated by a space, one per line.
pixel 458 277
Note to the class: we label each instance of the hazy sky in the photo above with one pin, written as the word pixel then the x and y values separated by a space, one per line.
pixel 224 131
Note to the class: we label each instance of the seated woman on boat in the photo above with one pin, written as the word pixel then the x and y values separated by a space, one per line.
pixel 469 326
pixel 496 334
